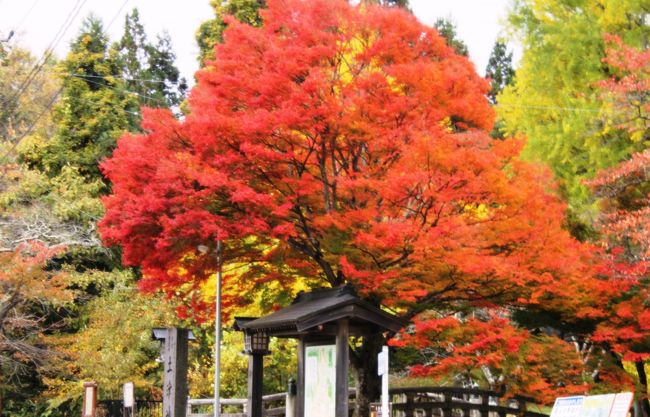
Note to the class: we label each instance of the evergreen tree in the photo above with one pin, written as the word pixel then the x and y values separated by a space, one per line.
pixel 211 31
pixel 390 3
pixel 91 113
pixel 447 30
pixel 148 69
pixel 499 70
pixel 166 82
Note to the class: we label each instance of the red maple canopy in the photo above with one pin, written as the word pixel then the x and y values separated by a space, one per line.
pixel 345 144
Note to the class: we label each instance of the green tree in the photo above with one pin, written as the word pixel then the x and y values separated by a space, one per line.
pixel 447 30
pixel 554 100
pixel 26 94
pixel 390 3
pixel 211 31
pixel 148 69
pixel 92 111
pixel 113 344
pixel 499 70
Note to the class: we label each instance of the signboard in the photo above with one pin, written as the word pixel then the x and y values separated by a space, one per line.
pixel 320 381
pixel 567 407
pixel 382 362
pixel 129 398
pixel 608 405
pixel 382 369
pixel 622 404
pixel 597 405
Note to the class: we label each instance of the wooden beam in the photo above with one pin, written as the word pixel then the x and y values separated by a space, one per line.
pixel 255 383
pixel 300 393
pixel 342 368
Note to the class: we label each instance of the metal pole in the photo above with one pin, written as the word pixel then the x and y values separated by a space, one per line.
pixel 217 337
pixel 385 405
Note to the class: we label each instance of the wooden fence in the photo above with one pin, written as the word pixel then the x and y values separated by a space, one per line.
pixel 406 402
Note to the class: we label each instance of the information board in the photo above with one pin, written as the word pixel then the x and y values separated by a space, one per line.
pixel 607 405
pixel 320 381
pixel 567 407
pixel 622 404
pixel 597 405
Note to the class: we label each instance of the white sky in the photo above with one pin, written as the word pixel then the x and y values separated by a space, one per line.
pixel 37 22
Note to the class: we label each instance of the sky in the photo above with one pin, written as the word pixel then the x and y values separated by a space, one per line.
pixel 41 23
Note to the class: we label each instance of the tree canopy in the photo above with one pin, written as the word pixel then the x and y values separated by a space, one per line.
pixel 348 144
pixel 554 99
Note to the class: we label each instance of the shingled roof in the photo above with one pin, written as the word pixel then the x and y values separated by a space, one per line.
pixel 314 310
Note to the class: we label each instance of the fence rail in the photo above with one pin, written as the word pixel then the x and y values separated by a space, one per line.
pixel 406 402
pixel 143 408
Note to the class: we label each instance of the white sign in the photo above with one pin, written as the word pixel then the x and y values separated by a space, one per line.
pixel 89 401
pixel 567 407
pixel 129 397
pixel 382 362
pixel 597 405
pixel 383 371
pixel 320 381
pixel 607 405
pixel 622 404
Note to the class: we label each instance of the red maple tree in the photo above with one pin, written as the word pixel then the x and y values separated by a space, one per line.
pixel 345 144
pixel 625 222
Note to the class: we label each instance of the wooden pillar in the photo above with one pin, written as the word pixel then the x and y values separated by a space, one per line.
pixel 175 369
pixel 342 368
pixel 255 383
pixel 300 389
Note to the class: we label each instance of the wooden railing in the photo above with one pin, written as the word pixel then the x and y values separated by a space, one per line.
pixel 456 402
pixel 406 402
pixel 274 406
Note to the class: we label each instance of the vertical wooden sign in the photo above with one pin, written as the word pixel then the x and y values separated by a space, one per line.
pixel 175 369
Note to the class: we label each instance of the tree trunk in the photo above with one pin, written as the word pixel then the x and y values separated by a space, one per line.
pixel 363 363
pixel 642 406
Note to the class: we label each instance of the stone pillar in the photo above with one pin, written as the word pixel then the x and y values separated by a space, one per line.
pixel 175 369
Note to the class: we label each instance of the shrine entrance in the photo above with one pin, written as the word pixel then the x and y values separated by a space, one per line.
pixel 322 321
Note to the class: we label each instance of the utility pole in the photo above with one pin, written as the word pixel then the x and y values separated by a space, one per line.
pixel 217 337
pixel 217 327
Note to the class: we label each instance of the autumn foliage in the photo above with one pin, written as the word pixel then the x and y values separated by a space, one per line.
pixel 625 193
pixel 344 144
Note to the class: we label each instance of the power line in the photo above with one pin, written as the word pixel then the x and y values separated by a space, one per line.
pixel 116 14
pixel 26 15
pixel 11 102
pixel 543 107
pixel 144 80
pixel 18 139
pixel 83 77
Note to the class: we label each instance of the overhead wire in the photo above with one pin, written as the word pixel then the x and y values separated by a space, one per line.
pixel 159 101
pixel 116 14
pixel 40 64
pixel 25 16
pixel 10 103
pixel 144 80
pixel 47 54
pixel 17 140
